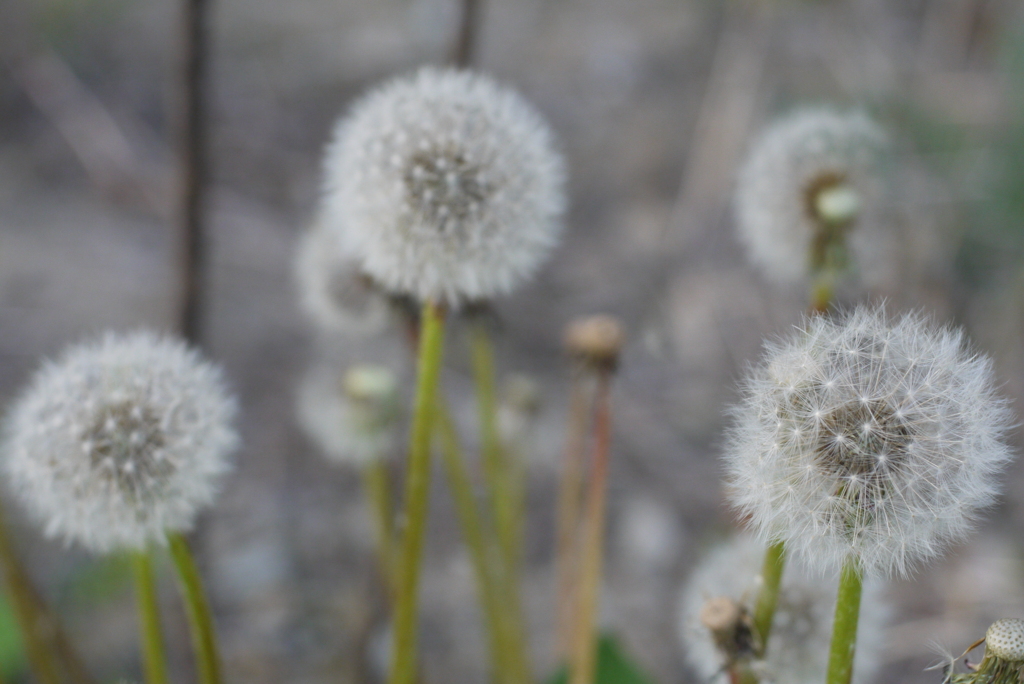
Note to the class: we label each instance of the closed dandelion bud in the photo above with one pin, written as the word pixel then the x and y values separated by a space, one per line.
pixel 809 192
pixel 120 441
pixel 596 340
pixel 353 417
pixel 445 186
pixel 867 438
pixel 716 630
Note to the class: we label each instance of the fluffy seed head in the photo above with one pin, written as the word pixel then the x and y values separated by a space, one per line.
pixel 333 291
pixel 1005 640
pixel 352 417
pixel 120 440
pixel 810 175
pixel 862 436
pixel 445 186
pixel 724 586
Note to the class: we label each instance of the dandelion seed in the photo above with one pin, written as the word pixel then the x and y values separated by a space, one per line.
pixel 120 441
pixel 444 186
pixel 907 451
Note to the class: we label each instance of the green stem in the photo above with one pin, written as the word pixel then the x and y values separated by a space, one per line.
pixel 32 617
pixel 377 482
pixel 493 455
pixel 585 649
pixel 768 597
pixel 507 650
pixel 204 639
pixel 149 619
pixel 417 496
pixel 844 629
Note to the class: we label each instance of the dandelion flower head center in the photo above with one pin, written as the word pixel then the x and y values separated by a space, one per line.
pixel 125 444
pixel 446 190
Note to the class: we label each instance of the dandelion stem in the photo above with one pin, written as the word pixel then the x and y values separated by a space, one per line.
pixel 585 648
pixel 33 618
pixel 768 597
pixel 509 658
pixel 495 460
pixel 844 629
pixel 149 618
pixel 377 483
pixel 569 496
pixel 204 639
pixel 417 495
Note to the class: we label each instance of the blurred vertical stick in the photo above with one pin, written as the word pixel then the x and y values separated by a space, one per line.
pixel 193 169
pixel 465 40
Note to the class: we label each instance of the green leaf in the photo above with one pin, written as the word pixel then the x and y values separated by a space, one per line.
pixel 613 666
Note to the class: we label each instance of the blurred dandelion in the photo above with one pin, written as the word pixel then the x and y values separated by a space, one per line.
pixel 120 441
pixel 445 186
pixel 797 650
pixel 810 191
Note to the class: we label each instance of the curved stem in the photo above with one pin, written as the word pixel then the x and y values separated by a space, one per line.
pixel 149 619
pixel 768 597
pixel 844 628
pixel 585 648
pixel 204 639
pixel 417 497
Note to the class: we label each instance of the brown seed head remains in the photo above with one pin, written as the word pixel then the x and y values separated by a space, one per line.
pixel 596 340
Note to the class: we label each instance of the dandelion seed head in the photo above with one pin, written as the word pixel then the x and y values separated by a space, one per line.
pixel 353 416
pixel 445 185
pixel 868 437
pixel 728 577
pixel 333 291
pixel 810 167
pixel 120 440
pixel 1005 640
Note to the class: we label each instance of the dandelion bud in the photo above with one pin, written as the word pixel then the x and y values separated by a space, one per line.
pixel 120 441
pixel 596 340
pixel 444 186
pixel 716 629
pixel 353 418
pixel 862 437
pixel 810 179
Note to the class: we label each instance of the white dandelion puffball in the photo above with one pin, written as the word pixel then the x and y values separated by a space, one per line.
pixel 445 186
pixel 862 436
pixel 811 166
pixel 333 292
pixel 120 440
pixel 798 644
pixel 353 417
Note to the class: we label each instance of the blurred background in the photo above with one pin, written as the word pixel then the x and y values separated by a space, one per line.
pixel 655 103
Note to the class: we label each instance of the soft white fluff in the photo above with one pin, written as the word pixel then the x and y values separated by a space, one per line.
pixel 798 645
pixel 862 436
pixel 790 158
pixel 445 186
pixel 120 440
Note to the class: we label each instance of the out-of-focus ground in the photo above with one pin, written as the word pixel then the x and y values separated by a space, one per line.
pixel 654 102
